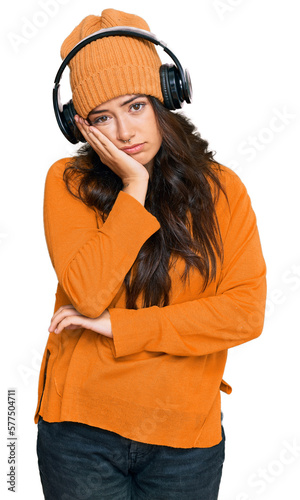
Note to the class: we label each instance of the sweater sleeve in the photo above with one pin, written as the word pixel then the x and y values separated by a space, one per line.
pixel 232 316
pixel 91 259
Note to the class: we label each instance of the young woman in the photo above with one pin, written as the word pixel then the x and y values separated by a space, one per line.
pixel 160 271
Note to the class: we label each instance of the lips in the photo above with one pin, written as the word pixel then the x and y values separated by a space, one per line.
pixel 134 148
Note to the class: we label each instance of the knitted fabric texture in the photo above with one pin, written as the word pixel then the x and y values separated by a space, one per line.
pixel 111 66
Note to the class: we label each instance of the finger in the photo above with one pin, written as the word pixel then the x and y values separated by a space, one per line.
pixel 54 324
pixel 99 142
pixel 82 124
pixel 93 137
pixel 89 129
pixel 81 121
pixel 74 321
pixel 62 308
pixel 105 141
pixel 65 312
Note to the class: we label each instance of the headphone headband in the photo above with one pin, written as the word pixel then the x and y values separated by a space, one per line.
pixel 176 83
pixel 119 31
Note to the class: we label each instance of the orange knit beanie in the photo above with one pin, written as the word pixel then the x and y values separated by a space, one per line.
pixel 111 66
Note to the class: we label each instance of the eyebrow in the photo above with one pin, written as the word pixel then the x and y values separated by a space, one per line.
pixel 123 104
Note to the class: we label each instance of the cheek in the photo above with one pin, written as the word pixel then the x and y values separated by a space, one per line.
pixel 109 132
pixel 154 132
pixel 158 138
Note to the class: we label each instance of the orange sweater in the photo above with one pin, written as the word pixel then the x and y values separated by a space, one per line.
pixel 159 379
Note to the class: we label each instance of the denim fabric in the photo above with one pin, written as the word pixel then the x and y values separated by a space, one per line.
pixel 79 462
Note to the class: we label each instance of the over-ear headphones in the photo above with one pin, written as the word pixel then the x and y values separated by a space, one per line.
pixel 175 82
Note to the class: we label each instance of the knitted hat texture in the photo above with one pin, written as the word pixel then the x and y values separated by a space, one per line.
pixel 111 66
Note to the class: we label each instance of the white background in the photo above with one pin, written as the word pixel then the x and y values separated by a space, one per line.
pixel 243 56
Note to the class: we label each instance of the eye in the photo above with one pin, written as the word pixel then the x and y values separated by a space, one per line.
pixel 137 106
pixel 101 119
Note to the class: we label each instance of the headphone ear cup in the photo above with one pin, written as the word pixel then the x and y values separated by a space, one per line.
pixel 187 87
pixel 71 130
pixel 165 87
pixel 171 86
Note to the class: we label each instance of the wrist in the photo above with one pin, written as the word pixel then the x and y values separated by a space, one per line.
pixel 137 188
pixel 137 180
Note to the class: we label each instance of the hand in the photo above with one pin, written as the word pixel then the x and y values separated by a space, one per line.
pixel 121 163
pixel 67 317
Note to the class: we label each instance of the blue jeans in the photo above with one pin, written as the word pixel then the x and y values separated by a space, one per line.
pixel 80 462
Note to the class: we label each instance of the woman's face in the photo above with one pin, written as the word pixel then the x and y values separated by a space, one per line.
pixel 129 117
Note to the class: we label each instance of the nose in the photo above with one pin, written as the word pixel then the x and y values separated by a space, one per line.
pixel 125 130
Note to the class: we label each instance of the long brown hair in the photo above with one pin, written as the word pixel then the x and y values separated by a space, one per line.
pixel 182 194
